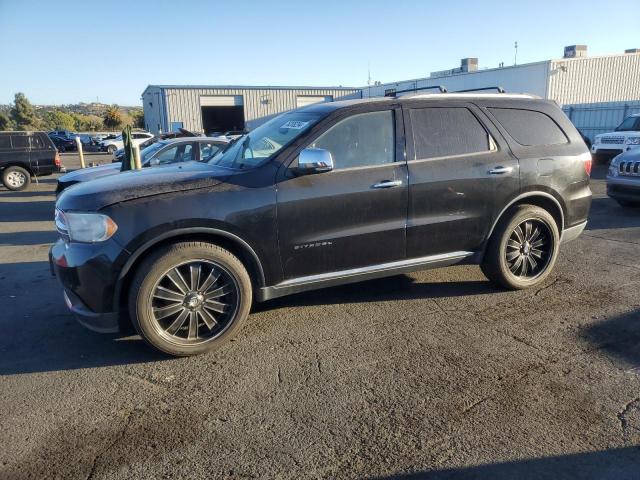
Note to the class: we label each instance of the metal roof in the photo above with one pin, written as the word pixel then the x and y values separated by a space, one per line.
pixel 247 87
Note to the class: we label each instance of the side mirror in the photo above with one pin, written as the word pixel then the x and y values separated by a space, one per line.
pixel 314 160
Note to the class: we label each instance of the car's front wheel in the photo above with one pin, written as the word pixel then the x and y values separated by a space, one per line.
pixel 190 298
pixel 523 248
pixel 16 178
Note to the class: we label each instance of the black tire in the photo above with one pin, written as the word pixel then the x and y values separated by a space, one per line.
pixel 500 263
pixel 154 278
pixel 16 178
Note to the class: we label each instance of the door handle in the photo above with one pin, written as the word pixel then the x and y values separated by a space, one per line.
pixel 500 170
pixel 387 184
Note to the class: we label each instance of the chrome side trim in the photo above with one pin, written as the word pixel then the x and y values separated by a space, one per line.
pixel 401 264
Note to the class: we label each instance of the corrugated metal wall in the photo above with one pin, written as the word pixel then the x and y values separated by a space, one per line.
pixel 595 79
pixel 260 104
pixel 595 118
pixel 529 78
pixel 152 107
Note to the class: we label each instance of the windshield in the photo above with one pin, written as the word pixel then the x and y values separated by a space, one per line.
pixel 146 154
pixel 265 141
pixel 630 124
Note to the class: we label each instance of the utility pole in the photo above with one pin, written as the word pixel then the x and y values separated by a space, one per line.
pixel 515 57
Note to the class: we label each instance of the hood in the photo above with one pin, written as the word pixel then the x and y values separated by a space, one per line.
pixel 632 155
pixel 130 185
pixel 84 174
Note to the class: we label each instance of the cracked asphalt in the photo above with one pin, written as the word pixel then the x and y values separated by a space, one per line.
pixel 431 375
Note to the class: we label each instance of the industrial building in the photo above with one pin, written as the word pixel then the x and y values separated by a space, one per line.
pixel 221 109
pixel 597 93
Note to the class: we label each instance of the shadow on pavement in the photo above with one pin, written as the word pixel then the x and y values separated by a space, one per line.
pixel 607 214
pixel 399 287
pixel 613 464
pixel 28 211
pixel 41 335
pixel 619 337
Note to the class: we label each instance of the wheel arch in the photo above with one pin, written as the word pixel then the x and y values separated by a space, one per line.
pixel 540 199
pixel 236 245
pixel 26 166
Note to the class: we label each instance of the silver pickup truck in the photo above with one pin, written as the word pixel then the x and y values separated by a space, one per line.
pixel 623 179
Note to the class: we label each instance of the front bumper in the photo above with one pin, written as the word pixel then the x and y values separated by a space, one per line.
pixel 89 275
pixel 624 188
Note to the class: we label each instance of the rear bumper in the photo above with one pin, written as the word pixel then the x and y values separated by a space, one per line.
pixel 572 233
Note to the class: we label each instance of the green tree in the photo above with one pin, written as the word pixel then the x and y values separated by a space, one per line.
pixel 112 117
pixel 59 120
pixel 5 121
pixel 23 114
pixel 138 118
pixel 87 122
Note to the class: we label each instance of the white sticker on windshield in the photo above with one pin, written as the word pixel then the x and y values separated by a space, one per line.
pixel 295 125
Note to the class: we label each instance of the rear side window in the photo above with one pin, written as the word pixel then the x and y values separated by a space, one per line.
pixel 36 142
pixel 20 141
pixel 364 139
pixel 5 141
pixel 442 132
pixel 528 127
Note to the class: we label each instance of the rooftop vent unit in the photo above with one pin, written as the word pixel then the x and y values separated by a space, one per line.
pixel 575 51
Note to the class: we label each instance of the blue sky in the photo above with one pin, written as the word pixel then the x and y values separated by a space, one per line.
pixel 72 51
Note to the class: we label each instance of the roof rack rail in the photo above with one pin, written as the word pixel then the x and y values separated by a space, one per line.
pixel 394 93
pixel 498 88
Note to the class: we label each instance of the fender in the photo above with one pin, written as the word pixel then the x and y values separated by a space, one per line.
pixel 185 231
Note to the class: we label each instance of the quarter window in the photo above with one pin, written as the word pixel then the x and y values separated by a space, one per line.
pixel 20 141
pixel 529 127
pixel 364 139
pixel 443 132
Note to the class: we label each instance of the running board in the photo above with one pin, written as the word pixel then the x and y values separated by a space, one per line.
pixel 342 277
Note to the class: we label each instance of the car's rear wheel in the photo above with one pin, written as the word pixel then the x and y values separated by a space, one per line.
pixel 16 178
pixel 523 249
pixel 190 298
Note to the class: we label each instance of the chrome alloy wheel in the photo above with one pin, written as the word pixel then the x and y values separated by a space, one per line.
pixel 194 302
pixel 529 249
pixel 16 179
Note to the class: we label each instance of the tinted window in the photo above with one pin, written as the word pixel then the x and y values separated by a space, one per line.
pixel 36 142
pixel 5 141
pixel 20 141
pixel 177 153
pixel 207 151
pixel 441 132
pixel 360 140
pixel 629 124
pixel 528 127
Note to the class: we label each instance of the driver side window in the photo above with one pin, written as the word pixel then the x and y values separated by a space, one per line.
pixel 177 153
pixel 361 140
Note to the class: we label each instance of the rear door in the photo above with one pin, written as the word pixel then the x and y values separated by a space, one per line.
pixel 355 215
pixel 20 150
pixel 459 170
pixel 42 154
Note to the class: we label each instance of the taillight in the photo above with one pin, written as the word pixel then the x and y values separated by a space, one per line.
pixel 586 162
pixel 56 161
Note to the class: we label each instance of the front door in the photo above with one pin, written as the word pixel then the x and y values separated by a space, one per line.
pixel 460 173
pixel 355 215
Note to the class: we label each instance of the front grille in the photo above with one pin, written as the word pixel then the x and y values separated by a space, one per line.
pixel 617 140
pixel 631 168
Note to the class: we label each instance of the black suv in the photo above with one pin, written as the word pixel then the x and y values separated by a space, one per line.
pixel 24 155
pixel 325 195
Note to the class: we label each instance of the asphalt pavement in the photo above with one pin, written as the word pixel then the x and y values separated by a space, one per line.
pixel 431 375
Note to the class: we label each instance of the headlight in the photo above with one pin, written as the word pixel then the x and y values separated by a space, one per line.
pixel 85 227
pixel 633 141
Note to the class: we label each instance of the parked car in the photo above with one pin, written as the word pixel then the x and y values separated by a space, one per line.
pixel 162 153
pixel 24 155
pixel 118 156
pixel 324 195
pixel 114 144
pixel 623 179
pixel 625 137
pixel 64 134
pixel 63 144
